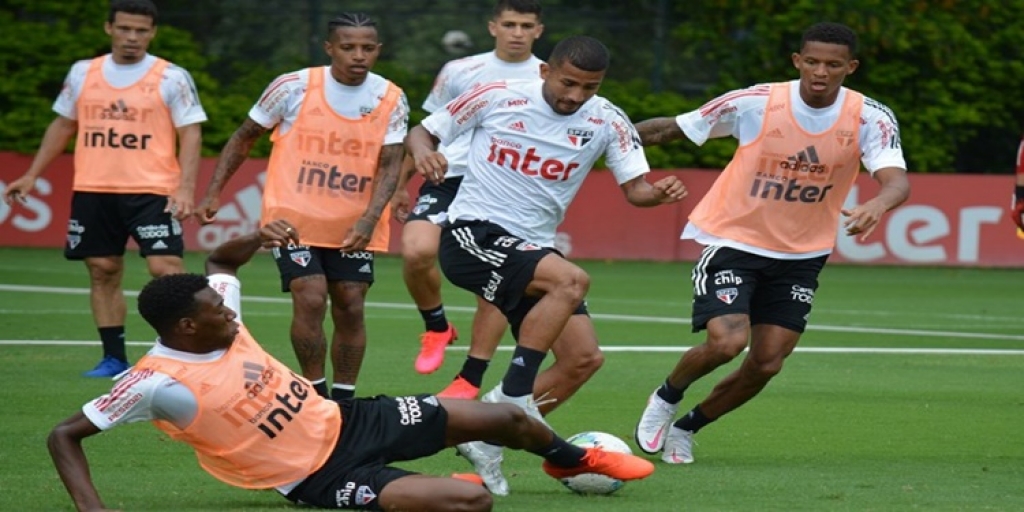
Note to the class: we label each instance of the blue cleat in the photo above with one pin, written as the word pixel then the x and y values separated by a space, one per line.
pixel 108 367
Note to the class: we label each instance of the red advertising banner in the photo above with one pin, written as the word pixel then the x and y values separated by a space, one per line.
pixel 954 220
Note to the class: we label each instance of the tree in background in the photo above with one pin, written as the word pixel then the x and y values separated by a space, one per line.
pixel 950 69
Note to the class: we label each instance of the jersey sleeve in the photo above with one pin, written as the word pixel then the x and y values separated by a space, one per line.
pixel 720 116
pixel 230 288
pixel 129 401
pixel 441 92
pixel 182 97
pixel 64 105
pixel 464 113
pixel 277 100
pixel 880 137
pixel 398 125
pixel 624 153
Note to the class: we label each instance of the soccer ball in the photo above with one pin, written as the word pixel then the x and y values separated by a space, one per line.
pixel 456 42
pixel 593 483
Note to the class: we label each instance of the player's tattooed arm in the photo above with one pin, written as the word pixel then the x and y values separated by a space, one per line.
pixel 384 186
pixel 659 131
pixel 231 157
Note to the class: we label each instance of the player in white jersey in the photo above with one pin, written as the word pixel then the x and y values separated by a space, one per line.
pixel 533 143
pixel 515 25
pixel 123 187
pixel 769 223
pixel 313 273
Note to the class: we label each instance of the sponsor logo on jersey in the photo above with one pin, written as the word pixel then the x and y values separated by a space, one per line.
pixel 530 163
pixel 159 245
pixel 517 126
pixel 358 255
pixel 366 269
pixel 96 117
pixel 318 143
pixel 790 179
pixel 153 231
pixel 320 178
pixel 343 496
pixel 517 102
pixel 579 137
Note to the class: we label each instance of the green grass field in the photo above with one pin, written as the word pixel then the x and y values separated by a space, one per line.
pixel 842 428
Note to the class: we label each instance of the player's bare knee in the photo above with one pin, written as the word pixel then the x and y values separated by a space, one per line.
pixel 573 286
pixel 103 270
pixel 309 303
pixel 726 347
pixel 584 366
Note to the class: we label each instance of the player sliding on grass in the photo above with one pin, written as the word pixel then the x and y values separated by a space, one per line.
pixel 770 221
pixel 255 424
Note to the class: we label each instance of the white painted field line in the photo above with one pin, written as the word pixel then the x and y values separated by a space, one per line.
pixel 627 348
pixel 595 316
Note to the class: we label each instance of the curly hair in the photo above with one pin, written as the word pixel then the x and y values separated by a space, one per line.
pixel 583 52
pixel 832 33
pixel 167 299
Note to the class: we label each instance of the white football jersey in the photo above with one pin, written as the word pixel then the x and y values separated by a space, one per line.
pixel 526 162
pixel 461 75
pixel 282 99
pixel 176 88
pixel 740 114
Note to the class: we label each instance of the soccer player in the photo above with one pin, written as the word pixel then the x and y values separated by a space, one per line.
pixel 1017 212
pixel 770 221
pixel 533 142
pixel 131 112
pixel 515 25
pixel 256 425
pixel 334 166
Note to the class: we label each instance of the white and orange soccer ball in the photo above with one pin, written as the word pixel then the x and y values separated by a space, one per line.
pixel 593 483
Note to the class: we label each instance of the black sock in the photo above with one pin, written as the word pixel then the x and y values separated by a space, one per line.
pixel 561 453
pixel 113 342
pixel 522 371
pixel 320 385
pixel 473 370
pixel 670 394
pixel 693 421
pixel 342 391
pixel 435 319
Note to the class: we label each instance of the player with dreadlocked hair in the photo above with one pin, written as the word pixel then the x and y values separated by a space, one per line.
pixel 337 134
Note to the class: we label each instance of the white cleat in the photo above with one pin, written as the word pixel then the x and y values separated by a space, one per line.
pixel 678 446
pixel 652 429
pixel 486 459
pixel 526 403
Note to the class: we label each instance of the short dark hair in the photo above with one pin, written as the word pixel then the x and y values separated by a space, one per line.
pixel 583 52
pixel 349 19
pixel 167 299
pixel 141 7
pixel 832 33
pixel 520 6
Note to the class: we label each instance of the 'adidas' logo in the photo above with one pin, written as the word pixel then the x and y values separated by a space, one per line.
pixel 252 374
pixel 518 126
pixel 431 400
pixel 518 361
pixel 159 245
pixel 776 133
pixel 316 112
pixel 809 154
pixel 366 268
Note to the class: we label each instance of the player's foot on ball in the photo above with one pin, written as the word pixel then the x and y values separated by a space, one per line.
pixel 621 466
pixel 432 345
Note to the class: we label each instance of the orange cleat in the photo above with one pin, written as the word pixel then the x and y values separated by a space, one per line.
pixel 621 466
pixel 432 349
pixel 460 388
pixel 472 478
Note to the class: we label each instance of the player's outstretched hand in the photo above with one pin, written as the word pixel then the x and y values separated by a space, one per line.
pixel 432 166
pixel 278 233
pixel 18 189
pixel 671 189
pixel 863 219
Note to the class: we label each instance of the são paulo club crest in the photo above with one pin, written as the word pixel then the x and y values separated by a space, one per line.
pixel 727 295
pixel 301 257
pixel 579 137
